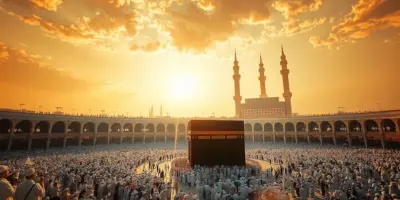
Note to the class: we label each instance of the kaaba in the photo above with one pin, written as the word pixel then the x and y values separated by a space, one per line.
pixel 216 142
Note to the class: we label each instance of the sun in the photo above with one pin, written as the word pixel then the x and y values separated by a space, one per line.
pixel 183 87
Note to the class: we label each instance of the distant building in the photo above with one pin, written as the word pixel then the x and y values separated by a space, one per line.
pixel 263 106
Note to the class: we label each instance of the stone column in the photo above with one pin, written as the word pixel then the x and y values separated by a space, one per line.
pixel 65 135
pixel 252 136
pixel 10 140
pixel 65 141
pixel 120 137
pixel 308 132
pixel 348 132
pixel 165 136
pixel 284 136
pixel 49 138
pixel 155 137
pixel 81 136
pixel 273 137
pixel 94 139
pixel 295 132
pixel 185 134
pixel 144 137
pixel 133 134
pixel 30 139
pixel 381 132
pixel 333 132
pixel 320 135
pixel 263 137
pixel 334 136
pixel 95 135
pixel 364 131
pixel 108 136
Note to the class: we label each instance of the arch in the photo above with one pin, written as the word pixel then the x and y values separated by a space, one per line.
pixel 289 127
pixel 102 128
pixel 42 127
pixel 326 126
pixel 301 127
pixel 248 127
pixel 388 125
pixel 371 126
pixel 340 126
pixel 181 128
pixel 398 123
pixel 268 127
pixel 74 127
pixel 278 127
pixel 150 128
pixel 128 127
pixel 89 127
pixel 257 127
pixel 139 128
pixel 313 126
pixel 160 128
pixel 171 128
pixel 24 126
pixel 5 126
pixel 355 126
pixel 116 127
pixel 58 127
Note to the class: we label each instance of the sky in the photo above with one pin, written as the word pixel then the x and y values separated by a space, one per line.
pixel 125 56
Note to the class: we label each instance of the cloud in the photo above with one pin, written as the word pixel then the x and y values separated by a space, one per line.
pixel 366 17
pixel 50 5
pixel 148 47
pixel 196 25
pixel 30 71
pixel 71 33
pixel 102 21
pixel 292 8
pixel 293 27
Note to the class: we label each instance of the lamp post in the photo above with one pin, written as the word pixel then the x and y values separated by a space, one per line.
pixel 144 137
pixel 20 106
pixel 58 109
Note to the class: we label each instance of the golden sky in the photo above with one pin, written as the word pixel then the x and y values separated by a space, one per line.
pixel 124 56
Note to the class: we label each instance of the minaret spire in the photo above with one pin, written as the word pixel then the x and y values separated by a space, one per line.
pixel 236 79
pixel 235 56
pixel 287 95
pixel 262 79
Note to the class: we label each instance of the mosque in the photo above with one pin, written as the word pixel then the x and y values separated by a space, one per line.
pixel 263 106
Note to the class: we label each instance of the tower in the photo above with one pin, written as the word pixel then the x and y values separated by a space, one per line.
pixel 287 95
pixel 262 79
pixel 236 79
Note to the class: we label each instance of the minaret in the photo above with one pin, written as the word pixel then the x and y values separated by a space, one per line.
pixel 287 95
pixel 262 79
pixel 236 79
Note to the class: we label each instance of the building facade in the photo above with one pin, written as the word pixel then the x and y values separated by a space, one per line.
pixel 43 131
pixel 263 106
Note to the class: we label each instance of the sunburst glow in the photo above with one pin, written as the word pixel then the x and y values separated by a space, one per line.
pixel 184 87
